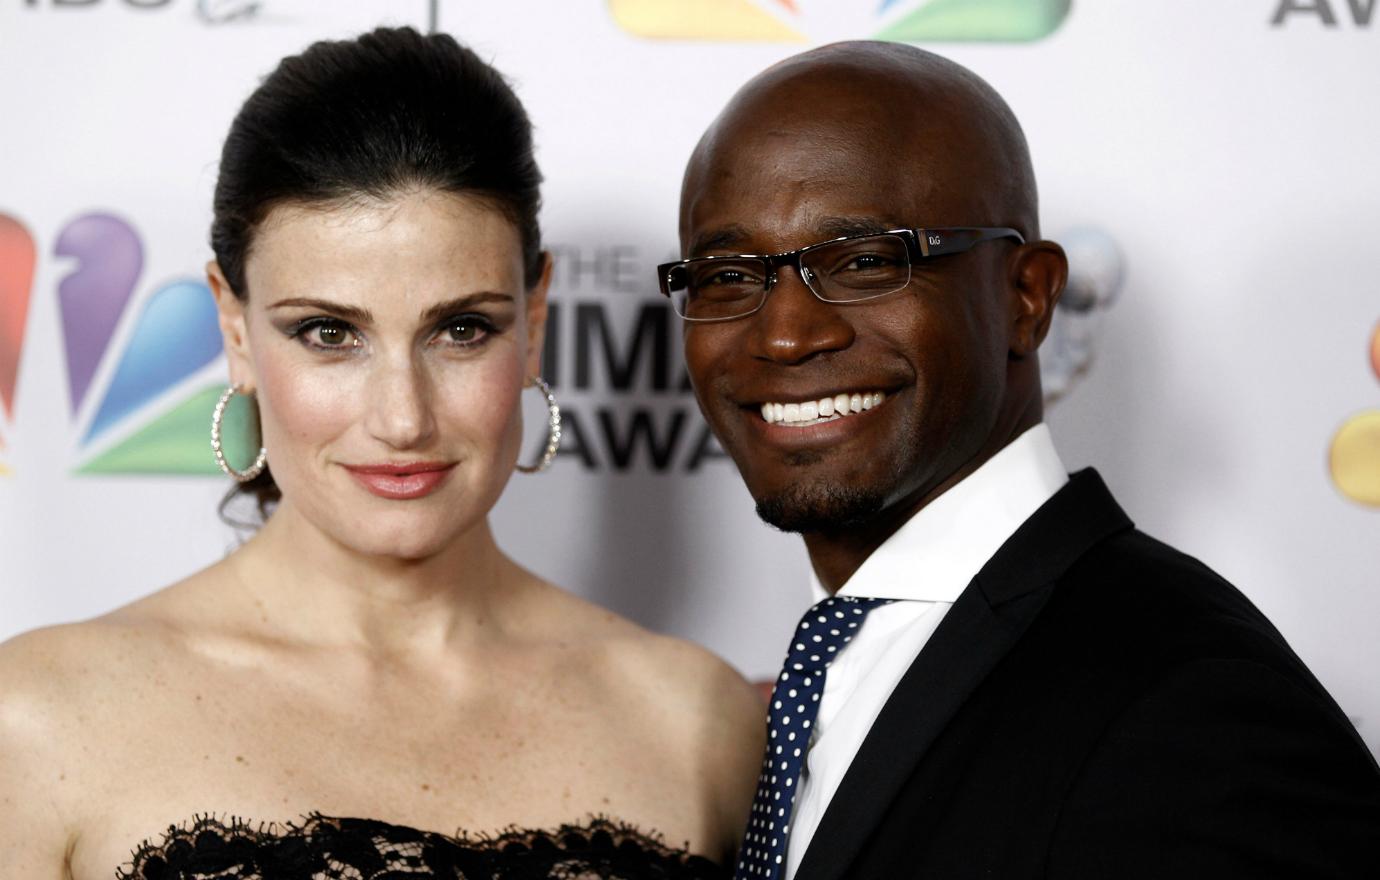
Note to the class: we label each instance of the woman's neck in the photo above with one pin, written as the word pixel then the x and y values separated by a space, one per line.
pixel 309 588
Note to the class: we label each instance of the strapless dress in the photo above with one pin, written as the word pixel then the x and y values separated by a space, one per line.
pixel 327 848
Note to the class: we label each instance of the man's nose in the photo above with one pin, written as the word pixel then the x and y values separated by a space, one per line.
pixel 794 325
pixel 400 409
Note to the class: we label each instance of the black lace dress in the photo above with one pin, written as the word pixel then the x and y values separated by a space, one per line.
pixel 324 848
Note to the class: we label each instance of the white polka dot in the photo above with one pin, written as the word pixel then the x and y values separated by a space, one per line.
pixel 776 705
pixel 792 692
pixel 806 723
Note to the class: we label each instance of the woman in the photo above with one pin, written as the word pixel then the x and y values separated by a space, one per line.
pixel 369 673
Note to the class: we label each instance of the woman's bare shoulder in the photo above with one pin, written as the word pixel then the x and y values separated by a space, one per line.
pixel 73 669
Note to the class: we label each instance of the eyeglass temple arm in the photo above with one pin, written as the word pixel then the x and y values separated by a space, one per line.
pixel 957 239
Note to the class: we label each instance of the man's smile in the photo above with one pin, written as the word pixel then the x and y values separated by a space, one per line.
pixel 824 409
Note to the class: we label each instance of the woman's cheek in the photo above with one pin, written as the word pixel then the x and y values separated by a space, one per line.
pixel 303 407
pixel 481 400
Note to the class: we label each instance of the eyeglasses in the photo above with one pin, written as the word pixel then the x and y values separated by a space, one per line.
pixel 843 270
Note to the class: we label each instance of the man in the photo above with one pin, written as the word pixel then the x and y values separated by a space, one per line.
pixel 1009 680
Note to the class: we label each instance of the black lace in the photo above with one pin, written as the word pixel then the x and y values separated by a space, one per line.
pixel 325 848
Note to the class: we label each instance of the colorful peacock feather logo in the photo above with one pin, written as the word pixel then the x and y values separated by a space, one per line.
pixel 1355 455
pixel 130 401
pixel 18 256
pixel 795 21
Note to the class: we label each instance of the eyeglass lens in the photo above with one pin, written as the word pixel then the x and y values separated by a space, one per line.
pixel 843 271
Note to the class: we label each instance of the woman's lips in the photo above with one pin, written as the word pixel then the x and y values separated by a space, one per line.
pixel 401 482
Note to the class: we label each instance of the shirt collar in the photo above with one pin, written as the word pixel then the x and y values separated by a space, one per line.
pixel 940 549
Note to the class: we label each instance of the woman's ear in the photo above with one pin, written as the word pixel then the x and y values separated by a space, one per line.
pixel 233 332
pixel 1038 273
pixel 536 316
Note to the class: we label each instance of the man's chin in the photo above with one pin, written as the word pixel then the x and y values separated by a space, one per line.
pixel 819 508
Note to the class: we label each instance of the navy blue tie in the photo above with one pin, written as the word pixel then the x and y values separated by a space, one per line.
pixel 824 631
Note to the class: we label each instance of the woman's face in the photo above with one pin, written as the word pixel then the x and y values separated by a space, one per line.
pixel 388 343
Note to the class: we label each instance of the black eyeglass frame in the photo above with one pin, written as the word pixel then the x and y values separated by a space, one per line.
pixel 921 244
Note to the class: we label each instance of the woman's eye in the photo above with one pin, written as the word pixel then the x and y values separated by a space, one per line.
pixel 328 335
pixel 332 336
pixel 464 332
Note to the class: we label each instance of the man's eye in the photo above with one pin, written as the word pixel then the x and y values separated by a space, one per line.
pixel 868 261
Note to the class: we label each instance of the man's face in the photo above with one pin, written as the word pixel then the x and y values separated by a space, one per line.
pixel 935 351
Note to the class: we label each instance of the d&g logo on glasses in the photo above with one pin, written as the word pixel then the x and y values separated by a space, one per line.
pixel 787 21
pixel 129 359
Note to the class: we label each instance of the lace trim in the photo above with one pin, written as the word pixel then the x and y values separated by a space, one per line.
pixel 330 848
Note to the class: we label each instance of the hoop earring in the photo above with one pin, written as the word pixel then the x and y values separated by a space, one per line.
pixel 553 430
pixel 216 418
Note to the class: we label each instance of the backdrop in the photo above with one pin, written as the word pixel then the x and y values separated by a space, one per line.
pixel 1211 167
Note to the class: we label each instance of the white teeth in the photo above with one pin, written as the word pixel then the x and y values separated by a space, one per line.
pixel 823 410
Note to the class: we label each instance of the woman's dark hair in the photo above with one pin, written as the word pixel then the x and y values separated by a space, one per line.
pixel 373 117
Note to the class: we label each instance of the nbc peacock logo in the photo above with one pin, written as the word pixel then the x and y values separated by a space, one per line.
pixel 17 259
pixel 796 21
pixel 137 385
pixel 1354 459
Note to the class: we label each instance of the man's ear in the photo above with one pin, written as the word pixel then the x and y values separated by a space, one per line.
pixel 536 316
pixel 234 336
pixel 1039 271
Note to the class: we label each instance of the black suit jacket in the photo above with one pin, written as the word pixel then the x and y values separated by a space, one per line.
pixel 1097 704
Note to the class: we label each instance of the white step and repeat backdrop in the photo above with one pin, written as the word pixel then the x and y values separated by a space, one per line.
pixel 1212 168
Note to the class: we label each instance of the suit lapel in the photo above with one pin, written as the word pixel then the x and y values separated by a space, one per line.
pixel 978 631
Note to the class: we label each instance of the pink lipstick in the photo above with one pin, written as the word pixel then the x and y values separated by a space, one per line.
pixel 403 481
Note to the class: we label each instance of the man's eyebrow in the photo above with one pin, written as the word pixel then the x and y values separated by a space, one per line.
pixel 453 306
pixel 353 314
pixel 728 237
pixel 838 227
pixel 718 239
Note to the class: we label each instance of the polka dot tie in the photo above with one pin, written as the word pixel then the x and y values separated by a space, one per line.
pixel 824 631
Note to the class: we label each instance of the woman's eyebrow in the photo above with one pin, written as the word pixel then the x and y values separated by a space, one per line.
pixel 354 314
pixel 459 304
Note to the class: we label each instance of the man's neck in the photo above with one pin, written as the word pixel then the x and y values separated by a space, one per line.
pixel 836 554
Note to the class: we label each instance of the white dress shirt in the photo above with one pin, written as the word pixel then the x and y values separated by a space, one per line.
pixel 926 564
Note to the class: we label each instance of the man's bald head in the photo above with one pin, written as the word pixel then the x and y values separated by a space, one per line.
pixel 914 113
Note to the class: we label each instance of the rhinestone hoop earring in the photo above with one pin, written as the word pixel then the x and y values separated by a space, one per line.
pixel 216 418
pixel 553 430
